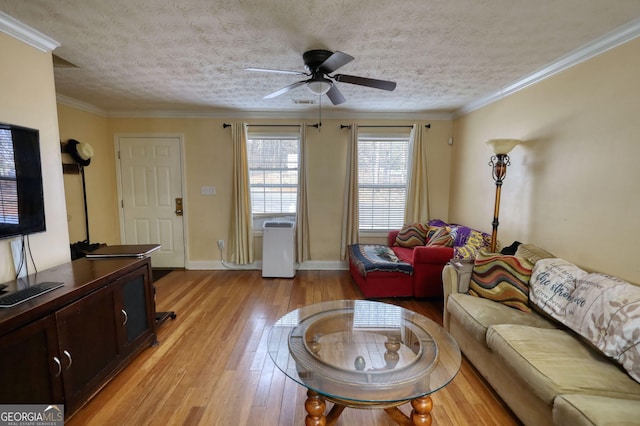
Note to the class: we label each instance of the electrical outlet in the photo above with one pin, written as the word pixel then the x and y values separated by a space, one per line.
pixel 221 244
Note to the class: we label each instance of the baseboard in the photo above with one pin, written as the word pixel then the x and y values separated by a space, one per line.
pixel 214 265
pixel 309 265
pixel 323 265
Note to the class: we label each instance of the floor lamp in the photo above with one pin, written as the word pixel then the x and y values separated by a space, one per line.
pixel 499 163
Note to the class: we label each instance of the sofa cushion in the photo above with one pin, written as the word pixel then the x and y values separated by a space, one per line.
pixel 439 236
pixel 367 258
pixel 477 315
pixel 404 254
pixel 555 362
pixel 503 279
pixel 590 410
pixel 603 309
pixel 414 234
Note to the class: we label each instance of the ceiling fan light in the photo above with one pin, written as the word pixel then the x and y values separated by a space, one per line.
pixel 319 87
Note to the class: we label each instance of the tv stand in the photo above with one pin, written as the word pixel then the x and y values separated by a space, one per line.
pixel 132 250
pixel 63 346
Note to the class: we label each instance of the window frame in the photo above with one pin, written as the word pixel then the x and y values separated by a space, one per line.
pixel 258 218
pixel 405 137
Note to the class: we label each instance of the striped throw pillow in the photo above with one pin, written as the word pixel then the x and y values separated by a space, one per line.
pixel 412 235
pixel 439 236
pixel 503 279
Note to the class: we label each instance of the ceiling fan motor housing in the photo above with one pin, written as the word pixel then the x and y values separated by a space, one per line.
pixel 314 58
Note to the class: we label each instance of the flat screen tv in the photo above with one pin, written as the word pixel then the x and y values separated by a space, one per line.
pixel 21 194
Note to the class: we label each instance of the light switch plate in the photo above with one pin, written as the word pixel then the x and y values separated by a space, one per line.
pixel 208 190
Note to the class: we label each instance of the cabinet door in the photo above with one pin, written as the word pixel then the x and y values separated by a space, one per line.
pixel 30 367
pixel 88 343
pixel 136 310
pixel 135 301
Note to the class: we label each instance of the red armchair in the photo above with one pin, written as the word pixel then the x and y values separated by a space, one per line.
pixel 427 262
pixel 421 257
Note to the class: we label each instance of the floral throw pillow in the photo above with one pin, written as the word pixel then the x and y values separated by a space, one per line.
pixel 603 309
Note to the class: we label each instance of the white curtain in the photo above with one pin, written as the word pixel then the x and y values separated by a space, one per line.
pixel 417 208
pixel 302 216
pixel 350 223
pixel 241 233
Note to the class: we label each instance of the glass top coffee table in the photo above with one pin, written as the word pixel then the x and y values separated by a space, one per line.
pixel 364 354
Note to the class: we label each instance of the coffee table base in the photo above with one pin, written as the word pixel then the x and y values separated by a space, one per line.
pixel 315 406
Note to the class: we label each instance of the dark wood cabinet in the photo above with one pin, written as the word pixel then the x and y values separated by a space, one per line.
pixel 134 309
pixel 88 344
pixel 30 366
pixel 66 346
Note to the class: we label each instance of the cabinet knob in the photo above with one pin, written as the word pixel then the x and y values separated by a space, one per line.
pixel 126 317
pixel 68 355
pixel 57 361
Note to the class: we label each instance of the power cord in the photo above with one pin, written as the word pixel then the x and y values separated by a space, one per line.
pixel 25 247
pixel 35 268
pixel 234 266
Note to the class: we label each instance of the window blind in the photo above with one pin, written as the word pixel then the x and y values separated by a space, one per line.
pixel 8 182
pixel 273 174
pixel 382 182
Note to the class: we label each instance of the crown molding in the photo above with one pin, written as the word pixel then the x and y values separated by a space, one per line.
pixel 26 34
pixel 82 106
pixel 286 114
pixel 231 113
pixel 600 45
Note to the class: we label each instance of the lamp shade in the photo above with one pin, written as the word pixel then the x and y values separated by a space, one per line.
pixel 502 146
pixel 319 85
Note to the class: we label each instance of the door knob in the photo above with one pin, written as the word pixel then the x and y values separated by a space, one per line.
pixel 178 206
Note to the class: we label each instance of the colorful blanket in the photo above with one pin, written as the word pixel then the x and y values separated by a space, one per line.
pixel 372 257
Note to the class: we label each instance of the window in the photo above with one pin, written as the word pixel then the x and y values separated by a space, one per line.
pixel 8 182
pixel 382 181
pixel 273 175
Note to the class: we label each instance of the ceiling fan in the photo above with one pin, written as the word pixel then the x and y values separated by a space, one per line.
pixel 320 64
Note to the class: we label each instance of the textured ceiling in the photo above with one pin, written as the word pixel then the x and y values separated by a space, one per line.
pixel 190 55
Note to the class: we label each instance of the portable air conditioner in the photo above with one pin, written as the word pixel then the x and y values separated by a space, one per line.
pixel 278 249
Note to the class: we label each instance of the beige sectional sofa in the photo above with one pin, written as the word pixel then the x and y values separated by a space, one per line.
pixel 544 371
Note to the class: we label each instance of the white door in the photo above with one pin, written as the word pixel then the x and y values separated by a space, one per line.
pixel 151 191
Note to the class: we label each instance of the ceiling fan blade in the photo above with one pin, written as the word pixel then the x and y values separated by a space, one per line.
pixel 284 90
pixel 363 81
pixel 276 71
pixel 335 95
pixel 335 61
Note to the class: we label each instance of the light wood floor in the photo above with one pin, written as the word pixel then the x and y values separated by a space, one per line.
pixel 212 368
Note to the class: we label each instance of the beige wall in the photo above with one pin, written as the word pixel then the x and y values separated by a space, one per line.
pixel 29 99
pixel 208 154
pixel 573 188
pixel 99 177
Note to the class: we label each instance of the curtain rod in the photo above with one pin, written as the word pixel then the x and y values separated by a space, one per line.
pixel 348 126
pixel 317 125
